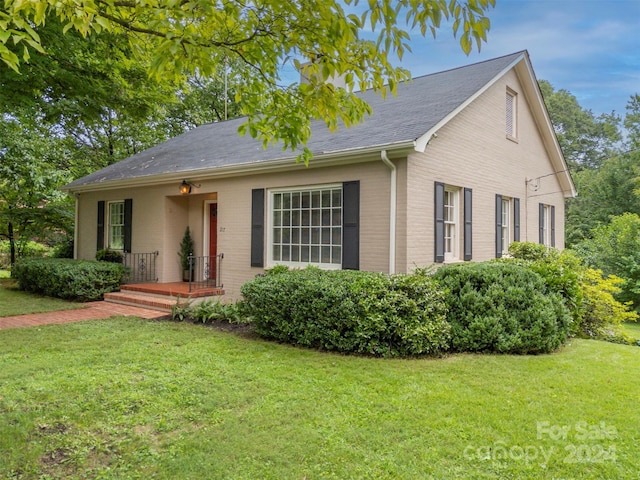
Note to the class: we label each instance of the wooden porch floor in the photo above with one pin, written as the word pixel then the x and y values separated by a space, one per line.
pixel 172 289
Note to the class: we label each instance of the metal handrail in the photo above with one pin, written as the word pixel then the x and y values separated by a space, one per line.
pixel 140 267
pixel 205 271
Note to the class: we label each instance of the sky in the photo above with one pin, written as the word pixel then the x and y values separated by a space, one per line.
pixel 589 47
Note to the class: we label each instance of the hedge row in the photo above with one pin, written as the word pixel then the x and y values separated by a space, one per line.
pixel 348 311
pixel 471 307
pixel 69 279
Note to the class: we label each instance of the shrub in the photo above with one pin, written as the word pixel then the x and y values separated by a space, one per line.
pixel 107 255
pixel 69 279
pixel 502 307
pixel 63 249
pixel 209 311
pixel 602 314
pixel 350 311
pixel 589 296
pixel 561 272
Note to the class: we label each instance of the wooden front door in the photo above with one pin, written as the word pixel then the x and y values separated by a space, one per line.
pixel 213 239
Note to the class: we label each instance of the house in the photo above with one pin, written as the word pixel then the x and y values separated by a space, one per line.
pixel 455 167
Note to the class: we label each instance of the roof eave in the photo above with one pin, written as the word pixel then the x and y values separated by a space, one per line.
pixel 328 159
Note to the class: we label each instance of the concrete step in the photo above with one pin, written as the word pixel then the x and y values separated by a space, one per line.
pixel 154 302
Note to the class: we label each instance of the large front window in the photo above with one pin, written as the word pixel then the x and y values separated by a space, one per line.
pixel 116 226
pixel 306 227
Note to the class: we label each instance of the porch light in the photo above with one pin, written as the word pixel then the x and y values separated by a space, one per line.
pixel 185 188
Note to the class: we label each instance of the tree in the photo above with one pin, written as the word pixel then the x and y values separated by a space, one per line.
pixel 586 140
pixel 603 193
pixel 632 121
pixel 199 37
pixel 30 202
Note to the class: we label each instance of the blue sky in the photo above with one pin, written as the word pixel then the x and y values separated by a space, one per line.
pixel 589 47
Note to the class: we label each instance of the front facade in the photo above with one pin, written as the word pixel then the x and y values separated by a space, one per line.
pixel 460 185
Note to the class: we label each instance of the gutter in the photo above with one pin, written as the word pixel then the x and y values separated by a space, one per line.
pixel 392 211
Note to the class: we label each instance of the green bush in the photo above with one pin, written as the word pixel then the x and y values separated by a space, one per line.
pixel 107 255
pixel 502 307
pixel 350 311
pixel 63 249
pixel 561 271
pixel 589 296
pixel 23 249
pixel 69 279
pixel 209 311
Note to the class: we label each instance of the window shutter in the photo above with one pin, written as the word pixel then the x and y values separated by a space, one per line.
pixel 439 222
pixel 351 225
pixel 498 226
pixel 516 219
pixel 100 234
pixel 128 211
pixel 541 223
pixel 257 227
pixel 553 226
pixel 509 114
pixel 467 225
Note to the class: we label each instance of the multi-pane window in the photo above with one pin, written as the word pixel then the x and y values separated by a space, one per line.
pixel 451 219
pixel 511 114
pixel 116 226
pixel 306 226
pixel 505 225
pixel 545 225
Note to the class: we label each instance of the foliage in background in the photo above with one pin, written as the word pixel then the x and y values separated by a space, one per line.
pixel 79 280
pixel 502 307
pixel 615 249
pixel 350 311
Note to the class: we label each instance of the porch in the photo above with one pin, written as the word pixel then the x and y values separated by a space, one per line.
pixel 161 296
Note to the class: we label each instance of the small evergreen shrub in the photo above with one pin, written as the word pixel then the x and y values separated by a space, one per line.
pixel 349 311
pixel 108 255
pixel 502 307
pixel 63 249
pixel 69 279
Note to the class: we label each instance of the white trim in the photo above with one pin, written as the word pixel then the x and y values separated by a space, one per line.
pixel 454 255
pixel 107 222
pixel 269 212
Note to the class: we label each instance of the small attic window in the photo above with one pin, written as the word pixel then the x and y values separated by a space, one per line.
pixel 511 114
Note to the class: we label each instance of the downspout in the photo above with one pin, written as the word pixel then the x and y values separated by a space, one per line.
pixel 392 211
pixel 75 227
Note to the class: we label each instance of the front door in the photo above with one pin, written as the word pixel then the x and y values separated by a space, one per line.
pixel 213 239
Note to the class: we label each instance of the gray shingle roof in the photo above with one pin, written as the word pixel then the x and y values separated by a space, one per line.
pixel 418 107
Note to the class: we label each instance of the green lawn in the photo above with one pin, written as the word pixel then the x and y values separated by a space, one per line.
pixel 128 398
pixel 632 329
pixel 17 302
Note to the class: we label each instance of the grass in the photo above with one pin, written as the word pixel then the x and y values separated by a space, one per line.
pixel 632 329
pixel 128 398
pixel 17 302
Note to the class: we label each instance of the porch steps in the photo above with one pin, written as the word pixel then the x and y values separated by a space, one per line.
pixel 155 302
pixel 159 296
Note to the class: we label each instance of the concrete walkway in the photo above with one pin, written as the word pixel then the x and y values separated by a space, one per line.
pixel 92 311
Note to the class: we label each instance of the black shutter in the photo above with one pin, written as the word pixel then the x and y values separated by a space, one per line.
pixel 351 225
pixel 257 227
pixel 553 226
pixel 467 225
pixel 128 211
pixel 541 223
pixel 100 234
pixel 516 219
pixel 498 226
pixel 439 222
